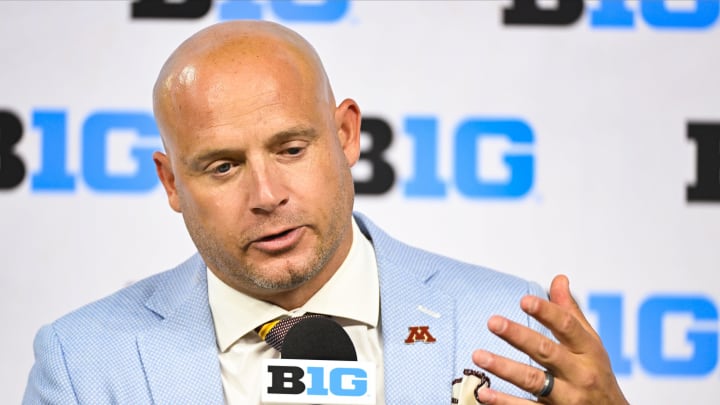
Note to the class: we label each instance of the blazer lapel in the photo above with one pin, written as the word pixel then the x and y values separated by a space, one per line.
pixel 180 355
pixel 418 328
pixel 421 368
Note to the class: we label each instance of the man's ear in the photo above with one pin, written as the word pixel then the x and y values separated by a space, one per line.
pixel 347 121
pixel 167 178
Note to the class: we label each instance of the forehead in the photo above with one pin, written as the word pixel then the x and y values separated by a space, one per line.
pixel 241 80
pixel 235 92
pixel 244 64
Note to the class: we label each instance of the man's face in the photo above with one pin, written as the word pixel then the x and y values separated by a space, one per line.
pixel 258 165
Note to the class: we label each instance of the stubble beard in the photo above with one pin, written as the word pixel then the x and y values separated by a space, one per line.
pixel 242 274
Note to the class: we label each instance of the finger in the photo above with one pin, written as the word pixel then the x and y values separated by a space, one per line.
pixel 560 294
pixel 562 322
pixel 524 376
pixel 560 291
pixel 491 397
pixel 539 347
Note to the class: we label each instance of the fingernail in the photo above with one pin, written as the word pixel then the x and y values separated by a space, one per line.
pixel 497 324
pixel 529 304
pixel 482 359
pixel 486 395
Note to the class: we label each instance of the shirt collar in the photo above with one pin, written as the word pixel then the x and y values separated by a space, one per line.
pixel 352 292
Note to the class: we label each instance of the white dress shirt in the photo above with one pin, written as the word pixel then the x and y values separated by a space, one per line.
pixel 351 297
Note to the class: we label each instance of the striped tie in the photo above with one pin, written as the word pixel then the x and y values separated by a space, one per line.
pixel 273 332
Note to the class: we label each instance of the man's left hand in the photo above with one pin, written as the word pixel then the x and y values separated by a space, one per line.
pixel 578 361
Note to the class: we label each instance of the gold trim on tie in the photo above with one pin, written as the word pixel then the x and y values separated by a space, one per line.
pixel 265 329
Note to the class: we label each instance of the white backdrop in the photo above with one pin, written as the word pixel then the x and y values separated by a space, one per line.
pixel 610 111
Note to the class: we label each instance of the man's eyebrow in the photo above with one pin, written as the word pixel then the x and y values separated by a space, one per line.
pixel 196 161
pixel 292 133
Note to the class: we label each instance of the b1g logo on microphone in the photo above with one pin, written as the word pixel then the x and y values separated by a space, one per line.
pixel 316 11
pixel 318 382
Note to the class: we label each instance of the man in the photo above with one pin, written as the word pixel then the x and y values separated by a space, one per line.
pixel 258 158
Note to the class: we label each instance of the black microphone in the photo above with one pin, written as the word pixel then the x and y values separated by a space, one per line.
pixel 318 338
pixel 318 365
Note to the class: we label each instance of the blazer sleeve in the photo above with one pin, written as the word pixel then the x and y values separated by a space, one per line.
pixel 49 381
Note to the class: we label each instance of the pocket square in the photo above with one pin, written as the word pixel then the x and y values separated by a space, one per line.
pixel 465 388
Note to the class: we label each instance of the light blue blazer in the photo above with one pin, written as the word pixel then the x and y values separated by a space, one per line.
pixel 154 342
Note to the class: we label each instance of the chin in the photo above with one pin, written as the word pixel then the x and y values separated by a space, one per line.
pixel 283 279
pixel 279 285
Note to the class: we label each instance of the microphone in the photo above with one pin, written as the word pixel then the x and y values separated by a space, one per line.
pixel 318 365
pixel 318 339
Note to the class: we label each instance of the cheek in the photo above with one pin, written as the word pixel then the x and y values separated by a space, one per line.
pixel 203 204
pixel 322 178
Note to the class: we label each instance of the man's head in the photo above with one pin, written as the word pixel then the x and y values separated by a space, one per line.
pixel 258 158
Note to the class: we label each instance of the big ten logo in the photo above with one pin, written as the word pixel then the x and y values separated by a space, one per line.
pixel 319 381
pixel 492 158
pixel 658 14
pixel 115 148
pixel 706 136
pixel 316 11
pixel 676 335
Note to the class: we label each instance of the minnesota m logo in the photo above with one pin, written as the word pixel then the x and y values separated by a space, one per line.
pixel 419 334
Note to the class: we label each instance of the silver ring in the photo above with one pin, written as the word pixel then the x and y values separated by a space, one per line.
pixel 548 386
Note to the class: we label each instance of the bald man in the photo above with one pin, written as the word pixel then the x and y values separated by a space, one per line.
pixel 257 160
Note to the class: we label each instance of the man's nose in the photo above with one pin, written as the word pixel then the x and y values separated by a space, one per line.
pixel 267 191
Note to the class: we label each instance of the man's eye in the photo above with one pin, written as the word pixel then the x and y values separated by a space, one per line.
pixel 223 168
pixel 293 151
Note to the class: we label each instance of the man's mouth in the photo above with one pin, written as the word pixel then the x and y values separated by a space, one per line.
pixel 280 242
pixel 275 236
